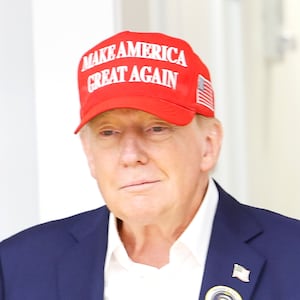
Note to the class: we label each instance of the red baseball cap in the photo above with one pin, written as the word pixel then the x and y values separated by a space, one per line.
pixel 148 71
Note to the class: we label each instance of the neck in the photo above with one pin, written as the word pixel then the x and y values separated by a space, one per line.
pixel 147 245
pixel 150 244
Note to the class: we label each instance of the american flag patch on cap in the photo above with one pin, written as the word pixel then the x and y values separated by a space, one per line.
pixel 205 94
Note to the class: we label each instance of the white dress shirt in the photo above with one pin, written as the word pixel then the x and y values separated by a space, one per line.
pixel 180 279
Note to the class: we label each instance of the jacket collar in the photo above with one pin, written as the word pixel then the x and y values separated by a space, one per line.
pixel 233 230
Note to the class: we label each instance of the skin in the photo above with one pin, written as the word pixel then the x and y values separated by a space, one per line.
pixel 152 174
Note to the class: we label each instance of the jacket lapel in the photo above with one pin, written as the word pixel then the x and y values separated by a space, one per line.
pixel 234 229
pixel 81 269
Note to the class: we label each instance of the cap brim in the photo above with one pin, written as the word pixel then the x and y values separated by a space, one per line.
pixel 163 109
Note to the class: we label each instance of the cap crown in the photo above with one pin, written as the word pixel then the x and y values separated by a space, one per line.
pixel 153 72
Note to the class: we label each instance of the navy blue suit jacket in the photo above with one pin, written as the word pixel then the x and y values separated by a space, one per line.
pixel 64 260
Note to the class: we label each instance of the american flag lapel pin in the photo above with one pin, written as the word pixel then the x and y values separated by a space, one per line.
pixel 241 273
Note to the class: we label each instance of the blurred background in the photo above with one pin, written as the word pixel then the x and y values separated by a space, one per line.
pixel 252 48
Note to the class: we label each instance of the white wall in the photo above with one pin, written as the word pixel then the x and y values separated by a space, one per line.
pixel 273 106
pixel 62 33
pixel 18 163
pixel 43 173
pixel 283 127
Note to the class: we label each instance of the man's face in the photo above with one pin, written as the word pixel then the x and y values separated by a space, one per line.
pixel 150 171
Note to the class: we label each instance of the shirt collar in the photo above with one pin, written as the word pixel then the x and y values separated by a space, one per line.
pixel 114 241
pixel 196 236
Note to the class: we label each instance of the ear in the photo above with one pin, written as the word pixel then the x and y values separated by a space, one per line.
pixel 86 145
pixel 213 135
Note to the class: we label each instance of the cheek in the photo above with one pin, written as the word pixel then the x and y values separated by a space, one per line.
pixel 102 166
pixel 106 180
pixel 193 151
pixel 183 162
pixel 200 154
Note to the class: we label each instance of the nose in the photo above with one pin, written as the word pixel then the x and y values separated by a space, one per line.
pixel 132 150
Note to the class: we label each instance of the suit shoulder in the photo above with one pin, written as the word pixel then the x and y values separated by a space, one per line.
pixel 242 217
pixel 53 231
pixel 275 221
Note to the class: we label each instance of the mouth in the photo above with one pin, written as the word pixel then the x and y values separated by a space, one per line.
pixel 139 184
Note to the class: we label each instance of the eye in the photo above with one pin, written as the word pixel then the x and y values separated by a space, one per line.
pixel 158 128
pixel 108 132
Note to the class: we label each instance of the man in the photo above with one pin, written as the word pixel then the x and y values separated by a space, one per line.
pixel 169 231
